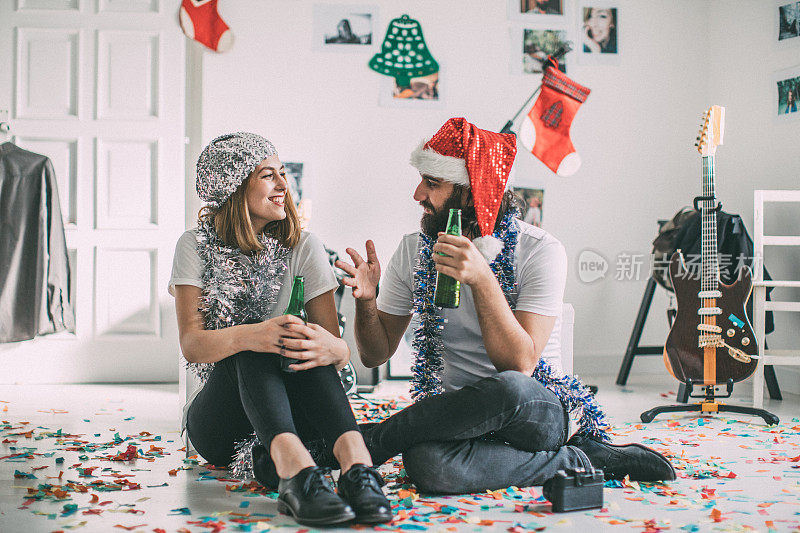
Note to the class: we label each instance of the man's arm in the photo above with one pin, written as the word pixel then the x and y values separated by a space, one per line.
pixel 377 333
pixel 513 341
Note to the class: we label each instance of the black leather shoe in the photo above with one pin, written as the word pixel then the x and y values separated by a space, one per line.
pixel 264 468
pixel 637 462
pixel 310 499
pixel 361 488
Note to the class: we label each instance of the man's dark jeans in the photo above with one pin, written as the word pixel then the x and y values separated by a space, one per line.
pixel 503 430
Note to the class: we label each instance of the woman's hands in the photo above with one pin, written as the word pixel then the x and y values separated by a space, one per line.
pixel 268 336
pixel 314 346
pixel 290 337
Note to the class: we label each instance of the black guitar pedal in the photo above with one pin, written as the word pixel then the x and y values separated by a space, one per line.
pixel 575 489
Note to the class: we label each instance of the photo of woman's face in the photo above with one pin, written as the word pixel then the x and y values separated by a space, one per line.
pixel 600 22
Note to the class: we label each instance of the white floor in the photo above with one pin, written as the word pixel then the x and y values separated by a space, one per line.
pixel 95 413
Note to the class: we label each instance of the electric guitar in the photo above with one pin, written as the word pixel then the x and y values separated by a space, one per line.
pixel 711 340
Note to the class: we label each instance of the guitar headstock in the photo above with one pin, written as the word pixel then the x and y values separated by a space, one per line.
pixel 710 134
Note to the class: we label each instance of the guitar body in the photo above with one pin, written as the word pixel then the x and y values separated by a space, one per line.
pixel 711 365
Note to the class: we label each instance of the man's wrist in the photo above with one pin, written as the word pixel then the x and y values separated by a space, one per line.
pixel 484 279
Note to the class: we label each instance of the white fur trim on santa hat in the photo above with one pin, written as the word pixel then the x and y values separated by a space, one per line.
pixel 489 246
pixel 436 165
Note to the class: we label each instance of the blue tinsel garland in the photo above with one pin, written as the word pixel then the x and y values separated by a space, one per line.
pixel 428 347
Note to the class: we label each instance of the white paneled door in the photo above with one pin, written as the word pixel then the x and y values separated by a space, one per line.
pixel 98 87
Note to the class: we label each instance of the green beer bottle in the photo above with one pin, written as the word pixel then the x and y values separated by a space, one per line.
pixel 448 290
pixel 297 309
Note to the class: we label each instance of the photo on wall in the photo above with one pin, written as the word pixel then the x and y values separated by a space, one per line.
pixel 788 23
pixel 344 27
pixel 787 84
pixel 294 177
pixel 598 32
pixel 533 204
pixel 538 11
pixel 421 92
pixel 534 48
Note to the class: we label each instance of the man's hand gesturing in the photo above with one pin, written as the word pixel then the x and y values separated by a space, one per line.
pixel 364 275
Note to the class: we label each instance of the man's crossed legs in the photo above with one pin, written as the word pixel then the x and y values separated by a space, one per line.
pixel 503 430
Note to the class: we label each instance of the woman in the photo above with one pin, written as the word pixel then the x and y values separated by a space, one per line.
pixel 599 31
pixel 791 105
pixel 232 280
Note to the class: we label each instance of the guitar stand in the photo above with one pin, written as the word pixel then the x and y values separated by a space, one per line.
pixel 709 404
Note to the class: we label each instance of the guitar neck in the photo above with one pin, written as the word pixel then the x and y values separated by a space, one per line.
pixel 709 256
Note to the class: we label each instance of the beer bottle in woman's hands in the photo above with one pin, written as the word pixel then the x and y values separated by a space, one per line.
pixel 296 308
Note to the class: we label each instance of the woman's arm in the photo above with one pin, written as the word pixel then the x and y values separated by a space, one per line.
pixel 200 345
pixel 322 345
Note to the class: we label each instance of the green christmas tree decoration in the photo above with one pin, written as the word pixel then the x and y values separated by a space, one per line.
pixel 404 54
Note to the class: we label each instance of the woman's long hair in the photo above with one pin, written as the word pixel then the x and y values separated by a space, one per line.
pixel 232 222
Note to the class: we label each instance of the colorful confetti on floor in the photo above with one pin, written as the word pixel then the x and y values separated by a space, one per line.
pixel 107 471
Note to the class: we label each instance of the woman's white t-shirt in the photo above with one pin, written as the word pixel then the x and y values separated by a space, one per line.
pixel 308 259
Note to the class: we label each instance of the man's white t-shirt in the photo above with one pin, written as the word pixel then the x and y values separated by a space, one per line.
pixel 308 259
pixel 541 273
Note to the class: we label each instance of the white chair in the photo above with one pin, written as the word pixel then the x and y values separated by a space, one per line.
pixel 567 327
pixel 760 303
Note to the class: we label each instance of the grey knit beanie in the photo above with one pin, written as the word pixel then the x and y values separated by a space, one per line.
pixel 226 162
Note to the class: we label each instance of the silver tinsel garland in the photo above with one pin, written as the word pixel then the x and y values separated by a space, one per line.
pixel 242 465
pixel 238 289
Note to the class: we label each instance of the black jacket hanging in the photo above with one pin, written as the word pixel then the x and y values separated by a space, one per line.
pixel 34 267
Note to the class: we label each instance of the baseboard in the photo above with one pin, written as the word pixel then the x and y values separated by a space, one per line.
pixel 608 364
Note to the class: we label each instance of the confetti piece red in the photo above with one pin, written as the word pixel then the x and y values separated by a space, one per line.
pixel 129 528
pixel 95 498
pixel 173 472
pixel 716 515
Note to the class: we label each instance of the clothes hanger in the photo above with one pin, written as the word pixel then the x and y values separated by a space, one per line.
pixel 5 126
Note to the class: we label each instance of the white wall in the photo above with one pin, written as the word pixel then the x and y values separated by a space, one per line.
pixel 635 132
pixel 759 152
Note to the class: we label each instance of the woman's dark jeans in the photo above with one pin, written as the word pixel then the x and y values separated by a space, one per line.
pixel 248 392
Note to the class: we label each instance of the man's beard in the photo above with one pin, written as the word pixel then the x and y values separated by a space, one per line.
pixel 435 222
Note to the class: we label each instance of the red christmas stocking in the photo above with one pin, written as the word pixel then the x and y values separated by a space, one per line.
pixel 545 131
pixel 201 22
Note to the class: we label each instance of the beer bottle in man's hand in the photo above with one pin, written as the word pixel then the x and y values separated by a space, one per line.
pixel 448 290
pixel 296 308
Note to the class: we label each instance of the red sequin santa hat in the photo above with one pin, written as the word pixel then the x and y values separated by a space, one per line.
pixel 481 160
